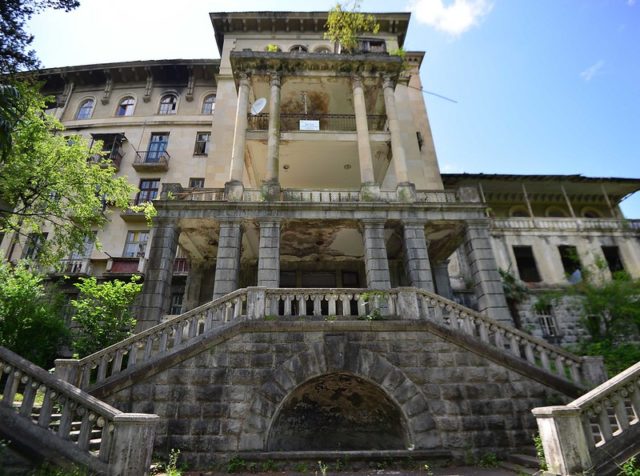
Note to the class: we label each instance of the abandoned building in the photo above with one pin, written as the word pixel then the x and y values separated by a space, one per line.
pixel 312 282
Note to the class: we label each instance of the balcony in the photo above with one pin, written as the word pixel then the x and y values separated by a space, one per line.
pixel 125 266
pixel 318 122
pixel 565 224
pixel 113 159
pixel 74 267
pixel 151 161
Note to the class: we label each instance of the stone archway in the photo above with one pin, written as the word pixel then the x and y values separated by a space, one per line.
pixel 338 411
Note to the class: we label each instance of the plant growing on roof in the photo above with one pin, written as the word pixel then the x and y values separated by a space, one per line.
pixel 345 23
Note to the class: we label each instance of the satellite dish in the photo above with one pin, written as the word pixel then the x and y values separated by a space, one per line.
pixel 258 106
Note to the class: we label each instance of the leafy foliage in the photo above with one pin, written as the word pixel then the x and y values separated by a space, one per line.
pixel 345 23
pixel 102 313
pixel 47 183
pixel 515 291
pixel 14 40
pixel 31 323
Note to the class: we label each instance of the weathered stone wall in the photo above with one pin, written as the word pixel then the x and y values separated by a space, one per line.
pixel 227 398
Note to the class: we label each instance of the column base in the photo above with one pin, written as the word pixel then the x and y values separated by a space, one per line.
pixel 406 192
pixel 233 190
pixel 270 190
pixel 369 192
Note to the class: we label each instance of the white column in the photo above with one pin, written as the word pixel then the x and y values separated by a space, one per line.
pixel 239 134
pixel 399 157
pixel 362 128
pixel 271 184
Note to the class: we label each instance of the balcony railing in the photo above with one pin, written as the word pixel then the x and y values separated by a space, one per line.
pixel 125 265
pixel 76 266
pixel 565 224
pixel 151 161
pixel 114 158
pixel 317 122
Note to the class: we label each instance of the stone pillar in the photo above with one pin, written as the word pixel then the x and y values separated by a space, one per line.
pixel 67 370
pixel 593 369
pixel 193 286
pixel 228 260
pixel 269 254
pixel 487 284
pixel 441 277
pixel 416 257
pixel 368 186
pixel 406 189
pixel 271 185
pixel 563 439
pixel 156 292
pixel 234 186
pixel 375 255
pixel 132 444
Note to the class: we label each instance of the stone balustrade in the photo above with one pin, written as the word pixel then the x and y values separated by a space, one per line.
pixel 39 407
pixel 564 224
pixel 315 196
pixel 604 423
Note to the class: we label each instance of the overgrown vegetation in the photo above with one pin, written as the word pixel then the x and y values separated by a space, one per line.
pixel 103 313
pixel 515 292
pixel 537 442
pixel 630 468
pixel 31 321
pixel 346 23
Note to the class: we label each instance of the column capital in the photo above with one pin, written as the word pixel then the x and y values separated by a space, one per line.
pixel 243 77
pixel 413 224
pixel 275 78
pixel 373 221
pixel 356 80
pixel 388 81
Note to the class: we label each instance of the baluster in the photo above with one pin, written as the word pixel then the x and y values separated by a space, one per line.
pixel 302 304
pixel 317 305
pixel 287 305
pixel 391 304
pixel 454 321
pixel 574 369
pixel 438 316
pixel 66 419
pixel 164 340
pixel 635 402
pixel 133 354
pixel 362 307
pixel 376 305
pixel 529 354
pixel 85 429
pixel 237 307
pixel 515 346
pixel 105 438
pixel 467 324
pixel 208 320
pixel 499 338
pixel 193 326
pixel 102 368
pixel 11 386
pixel 331 298
pixel 484 332
pixel 47 406
pixel 86 375
pixel 117 362
pixel 228 311
pixel 28 397
pixel 148 347
pixel 346 304
pixel 604 423
pixel 177 336
pixel 588 430
pixel 621 411
pixel 544 358
pixel 560 368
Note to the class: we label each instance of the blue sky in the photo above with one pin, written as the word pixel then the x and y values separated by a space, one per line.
pixel 542 86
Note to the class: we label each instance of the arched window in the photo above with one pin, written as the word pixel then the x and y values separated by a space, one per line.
pixel 209 104
pixel 168 104
pixel 591 213
pixel 126 107
pixel 298 49
pixel 86 109
pixel 519 212
pixel 322 49
pixel 556 212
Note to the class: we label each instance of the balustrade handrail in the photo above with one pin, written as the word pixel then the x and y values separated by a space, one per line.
pixel 570 222
pixel 608 388
pixel 142 336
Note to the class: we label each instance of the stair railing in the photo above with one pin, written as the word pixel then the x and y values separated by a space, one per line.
pixel 587 432
pixel 96 434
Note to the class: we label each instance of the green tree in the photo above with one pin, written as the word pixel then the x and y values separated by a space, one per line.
pixel 31 322
pixel 47 182
pixel 102 313
pixel 345 23
pixel 14 40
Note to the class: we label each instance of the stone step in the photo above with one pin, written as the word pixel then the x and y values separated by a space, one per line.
pixel 526 460
pixel 518 469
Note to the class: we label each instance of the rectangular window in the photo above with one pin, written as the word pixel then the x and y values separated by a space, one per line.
pixel 111 145
pixel 526 264
pixel 612 255
pixel 87 248
pixel 33 245
pixel 372 45
pixel 157 147
pixel 148 190
pixel 202 143
pixel 570 263
pixel 136 244
pixel 196 183
pixel 176 303
pixel 547 322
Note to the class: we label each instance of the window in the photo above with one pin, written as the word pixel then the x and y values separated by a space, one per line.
pixel 136 244
pixel 570 263
pixel 547 321
pixel 157 147
pixel 556 212
pixel 591 213
pixel 196 183
pixel 372 45
pixel 322 50
pixel 85 110
pixel 148 190
pixel 168 104
pixel 111 144
pixel 33 245
pixel 526 264
pixel 87 248
pixel 298 49
pixel 176 303
pixel 518 212
pixel 126 107
pixel 209 104
pixel 612 256
pixel 202 143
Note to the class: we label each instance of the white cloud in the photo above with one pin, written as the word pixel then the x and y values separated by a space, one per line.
pixel 455 17
pixel 592 71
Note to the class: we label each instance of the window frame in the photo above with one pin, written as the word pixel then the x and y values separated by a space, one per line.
pixel 147 194
pixel 193 180
pixel 530 274
pixel 33 245
pixel 201 148
pixel 85 112
pixel 133 240
pixel 126 109
pixel 162 111
pixel 209 100
pixel 547 322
